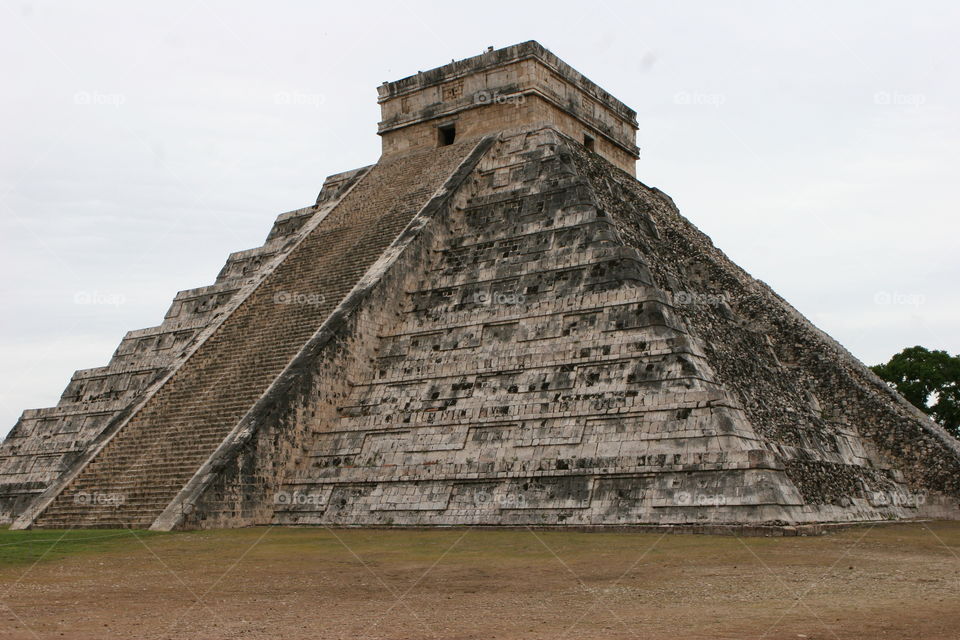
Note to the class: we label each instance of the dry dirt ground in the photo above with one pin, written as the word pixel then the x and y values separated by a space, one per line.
pixel 886 581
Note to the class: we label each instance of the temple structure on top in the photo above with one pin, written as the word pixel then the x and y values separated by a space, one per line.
pixel 520 86
pixel 494 324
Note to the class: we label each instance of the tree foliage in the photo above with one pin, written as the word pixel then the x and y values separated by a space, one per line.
pixel 930 380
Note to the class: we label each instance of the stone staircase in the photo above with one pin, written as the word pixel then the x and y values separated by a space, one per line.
pixel 47 442
pixel 132 479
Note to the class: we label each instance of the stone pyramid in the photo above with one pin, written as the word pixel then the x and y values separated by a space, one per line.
pixel 496 324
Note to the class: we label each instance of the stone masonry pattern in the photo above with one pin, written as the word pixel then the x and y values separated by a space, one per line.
pixel 507 333
pixel 574 353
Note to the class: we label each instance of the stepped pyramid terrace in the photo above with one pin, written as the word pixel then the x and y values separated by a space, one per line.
pixel 494 324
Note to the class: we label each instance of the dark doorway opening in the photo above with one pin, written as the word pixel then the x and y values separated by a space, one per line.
pixel 588 142
pixel 446 134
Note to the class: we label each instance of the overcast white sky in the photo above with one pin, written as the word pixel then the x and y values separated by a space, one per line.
pixel 816 143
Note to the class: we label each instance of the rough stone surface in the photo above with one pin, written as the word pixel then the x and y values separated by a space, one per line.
pixel 574 353
pixel 508 330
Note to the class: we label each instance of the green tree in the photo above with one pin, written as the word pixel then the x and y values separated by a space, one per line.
pixel 924 377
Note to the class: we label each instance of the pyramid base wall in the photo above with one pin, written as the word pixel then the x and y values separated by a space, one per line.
pixel 757 497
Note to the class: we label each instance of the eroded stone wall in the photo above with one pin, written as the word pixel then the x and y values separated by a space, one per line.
pixel 848 443
pixel 537 376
